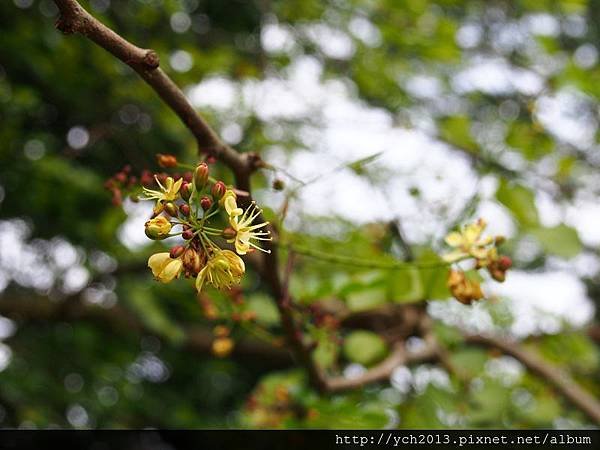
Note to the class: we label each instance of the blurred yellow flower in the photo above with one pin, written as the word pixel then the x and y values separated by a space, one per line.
pixel 468 242
pixel 222 270
pixel 164 268
pixel 245 232
pixel 222 347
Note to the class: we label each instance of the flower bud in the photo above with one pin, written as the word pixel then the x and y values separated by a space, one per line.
pixel 185 209
pixel 171 209
pixel 187 234
pixel 201 176
pixel 205 203
pixel 222 347
pixel 186 191
pixel 121 177
pixel 192 262
pixel 229 233
pixel 218 190
pixel 504 263
pixel 158 228
pixel 278 184
pixel 177 251
pixel 221 331
pixel 166 160
pixel 146 179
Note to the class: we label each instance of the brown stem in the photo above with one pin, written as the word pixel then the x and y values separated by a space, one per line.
pixel 293 333
pixel 75 19
pixel 398 357
pixel 558 378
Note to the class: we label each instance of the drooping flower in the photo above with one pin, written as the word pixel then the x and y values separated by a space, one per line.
pixel 222 270
pixel 157 228
pixel 245 232
pixel 164 268
pixel 468 242
pixel 167 193
pixel 462 288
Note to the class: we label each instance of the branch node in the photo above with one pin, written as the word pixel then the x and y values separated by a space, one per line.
pixel 151 60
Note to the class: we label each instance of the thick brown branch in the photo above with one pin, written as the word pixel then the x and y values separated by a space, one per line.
pixel 75 19
pixel 558 378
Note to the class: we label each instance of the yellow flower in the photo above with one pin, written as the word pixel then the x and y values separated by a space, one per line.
pixel 222 270
pixel 158 228
pixel 231 207
pixel 468 242
pixel 245 232
pixel 222 347
pixel 164 268
pixel 167 193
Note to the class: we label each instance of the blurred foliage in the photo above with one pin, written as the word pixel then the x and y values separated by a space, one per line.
pixel 71 116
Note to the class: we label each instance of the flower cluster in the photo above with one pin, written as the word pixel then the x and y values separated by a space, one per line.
pixel 192 202
pixel 469 243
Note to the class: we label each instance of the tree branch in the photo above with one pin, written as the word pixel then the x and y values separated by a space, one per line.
pixel 75 19
pixel 398 357
pixel 72 309
pixel 558 378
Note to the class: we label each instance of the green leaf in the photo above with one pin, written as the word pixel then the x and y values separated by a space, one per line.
pixel 406 286
pixel 560 240
pixel 456 130
pixel 358 165
pixel 469 361
pixel 520 201
pixel 529 140
pixel 366 299
pixel 265 309
pixel 327 352
pixel 364 347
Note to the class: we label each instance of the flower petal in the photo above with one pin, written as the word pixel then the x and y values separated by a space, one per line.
pixel 454 239
pixel 157 262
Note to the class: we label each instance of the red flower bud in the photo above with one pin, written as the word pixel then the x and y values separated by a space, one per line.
pixel 206 203
pixel 187 234
pixel 185 191
pixel 146 179
pixel 177 251
pixel 218 190
pixel 201 176
pixel 166 160
pixel 504 263
pixel 121 177
pixel 185 209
